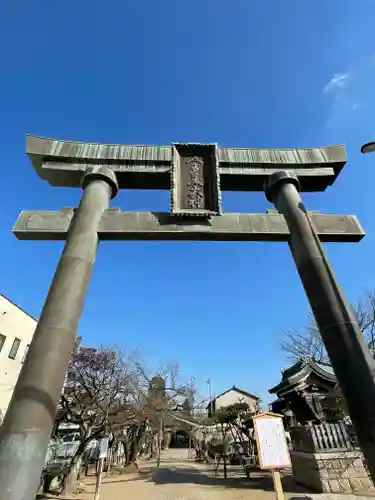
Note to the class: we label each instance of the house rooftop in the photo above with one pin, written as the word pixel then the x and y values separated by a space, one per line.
pixel 18 307
pixel 234 388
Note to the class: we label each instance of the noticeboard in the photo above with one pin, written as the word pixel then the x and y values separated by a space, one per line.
pixel 271 441
pixel 103 448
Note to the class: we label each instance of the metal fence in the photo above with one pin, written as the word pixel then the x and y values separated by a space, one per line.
pixel 321 438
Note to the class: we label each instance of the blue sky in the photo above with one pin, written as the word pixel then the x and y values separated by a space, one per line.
pixel 243 73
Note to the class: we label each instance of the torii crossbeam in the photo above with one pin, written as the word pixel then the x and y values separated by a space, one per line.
pixel 196 174
pixel 64 163
pixel 158 226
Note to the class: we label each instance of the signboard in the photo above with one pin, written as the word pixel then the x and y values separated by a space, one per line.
pixel 271 441
pixel 195 180
pixel 103 448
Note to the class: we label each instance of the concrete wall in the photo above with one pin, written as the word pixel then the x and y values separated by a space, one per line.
pixel 231 397
pixel 333 472
pixel 14 323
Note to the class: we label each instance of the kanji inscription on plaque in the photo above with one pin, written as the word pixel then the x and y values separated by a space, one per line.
pixel 195 180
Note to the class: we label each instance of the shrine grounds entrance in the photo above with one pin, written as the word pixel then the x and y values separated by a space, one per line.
pixel 195 174
pixel 179 439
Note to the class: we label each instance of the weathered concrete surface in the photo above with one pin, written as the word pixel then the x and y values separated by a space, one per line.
pixel 63 163
pixel 117 225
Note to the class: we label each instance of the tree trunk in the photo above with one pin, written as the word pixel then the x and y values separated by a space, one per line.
pixel 138 438
pixel 125 443
pixel 224 449
pixel 159 442
pixel 109 460
pixel 150 439
pixel 131 444
pixel 225 465
pixel 137 433
pixel 152 446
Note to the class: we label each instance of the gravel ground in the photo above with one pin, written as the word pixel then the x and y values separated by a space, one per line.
pixel 179 478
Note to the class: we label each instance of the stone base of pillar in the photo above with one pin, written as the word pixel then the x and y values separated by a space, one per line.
pixel 334 472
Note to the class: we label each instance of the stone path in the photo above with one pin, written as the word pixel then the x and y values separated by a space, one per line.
pixel 179 478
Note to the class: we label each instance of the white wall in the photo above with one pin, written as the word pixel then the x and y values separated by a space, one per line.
pixel 232 397
pixel 13 323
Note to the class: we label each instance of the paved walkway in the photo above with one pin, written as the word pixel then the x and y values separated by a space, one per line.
pixel 179 478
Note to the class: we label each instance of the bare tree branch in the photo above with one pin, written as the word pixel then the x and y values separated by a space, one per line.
pixel 308 342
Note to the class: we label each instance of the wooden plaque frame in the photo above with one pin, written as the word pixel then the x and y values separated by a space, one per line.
pixel 268 415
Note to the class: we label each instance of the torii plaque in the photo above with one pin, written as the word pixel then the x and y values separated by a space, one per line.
pixel 195 174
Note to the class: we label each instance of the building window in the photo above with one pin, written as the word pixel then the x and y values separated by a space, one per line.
pixel 2 341
pixel 14 349
pixel 25 353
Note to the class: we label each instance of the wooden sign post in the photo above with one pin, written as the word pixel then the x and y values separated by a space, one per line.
pixel 103 453
pixel 272 447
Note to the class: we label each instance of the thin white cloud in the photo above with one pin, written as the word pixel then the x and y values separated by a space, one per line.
pixel 337 82
pixel 350 93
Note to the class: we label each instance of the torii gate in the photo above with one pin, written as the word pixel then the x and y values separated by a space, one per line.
pixel 195 175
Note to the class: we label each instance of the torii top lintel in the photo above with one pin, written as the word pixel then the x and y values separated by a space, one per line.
pixel 63 163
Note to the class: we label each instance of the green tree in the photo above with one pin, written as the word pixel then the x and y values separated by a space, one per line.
pixel 227 419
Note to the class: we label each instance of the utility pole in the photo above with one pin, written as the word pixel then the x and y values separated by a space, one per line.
pixel 208 382
pixel 342 337
pixel 160 439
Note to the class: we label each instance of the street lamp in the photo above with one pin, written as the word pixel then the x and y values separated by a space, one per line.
pixel 369 147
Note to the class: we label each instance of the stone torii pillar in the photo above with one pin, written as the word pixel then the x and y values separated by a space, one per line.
pixel 195 175
pixel 27 426
pixel 342 337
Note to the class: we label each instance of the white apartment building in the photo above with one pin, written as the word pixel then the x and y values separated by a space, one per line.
pixel 16 331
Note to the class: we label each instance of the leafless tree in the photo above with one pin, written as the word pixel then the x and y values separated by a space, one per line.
pixel 308 343
pixel 162 393
pixel 97 388
pixel 107 391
